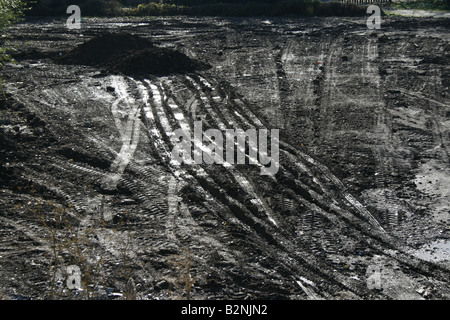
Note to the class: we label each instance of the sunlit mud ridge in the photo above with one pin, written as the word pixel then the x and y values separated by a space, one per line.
pixel 88 177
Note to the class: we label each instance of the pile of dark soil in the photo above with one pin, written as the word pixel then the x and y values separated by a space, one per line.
pixel 156 61
pixel 130 55
pixel 100 49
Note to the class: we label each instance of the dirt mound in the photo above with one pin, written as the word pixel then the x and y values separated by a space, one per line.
pixel 102 48
pixel 129 54
pixel 156 61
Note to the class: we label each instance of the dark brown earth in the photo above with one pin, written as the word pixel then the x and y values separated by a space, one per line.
pixel 130 55
pixel 364 163
pixel 102 48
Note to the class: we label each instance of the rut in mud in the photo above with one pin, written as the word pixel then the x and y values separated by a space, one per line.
pixel 86 162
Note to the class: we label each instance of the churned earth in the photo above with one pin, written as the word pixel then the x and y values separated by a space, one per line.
pixel 359 208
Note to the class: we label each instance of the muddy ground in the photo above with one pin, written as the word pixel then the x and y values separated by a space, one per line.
pixel 359 208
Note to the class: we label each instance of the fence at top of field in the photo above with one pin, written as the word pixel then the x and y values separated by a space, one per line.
pixel 365 1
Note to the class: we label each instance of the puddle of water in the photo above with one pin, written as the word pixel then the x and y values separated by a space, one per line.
pixel 436 251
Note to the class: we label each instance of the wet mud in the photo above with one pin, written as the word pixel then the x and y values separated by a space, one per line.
pixel 359 207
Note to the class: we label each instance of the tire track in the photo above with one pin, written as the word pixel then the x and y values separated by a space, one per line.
pixel 256 120
pixel 129 132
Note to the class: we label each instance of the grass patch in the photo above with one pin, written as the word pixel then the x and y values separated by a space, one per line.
pixel 157 9
pixel 218 8
pixel 87 7
pixel 434 5
pixel 250 9
pixel 11 12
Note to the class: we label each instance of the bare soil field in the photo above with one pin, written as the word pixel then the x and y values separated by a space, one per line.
pixel 359 208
